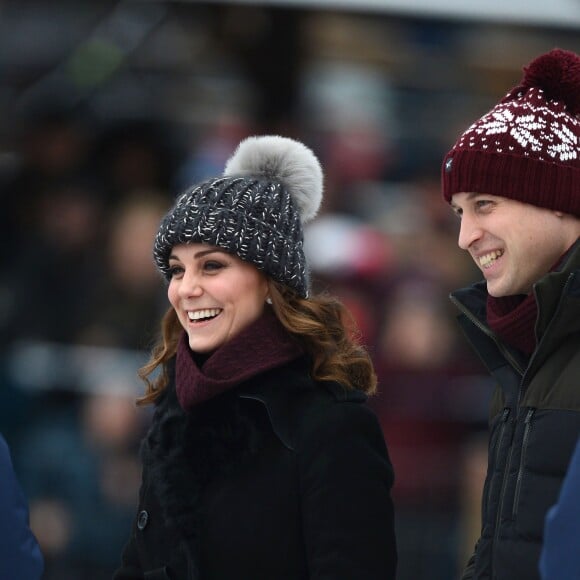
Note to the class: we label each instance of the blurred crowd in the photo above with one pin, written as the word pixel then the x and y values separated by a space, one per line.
pixel 80 302
pixel 79 298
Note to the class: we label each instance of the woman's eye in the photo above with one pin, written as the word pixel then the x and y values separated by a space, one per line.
pixel 175 271
pixel 212 266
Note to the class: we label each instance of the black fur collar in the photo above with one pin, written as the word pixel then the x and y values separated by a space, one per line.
pixel 183 452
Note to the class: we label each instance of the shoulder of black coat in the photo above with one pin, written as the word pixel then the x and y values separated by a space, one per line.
pixel 289 394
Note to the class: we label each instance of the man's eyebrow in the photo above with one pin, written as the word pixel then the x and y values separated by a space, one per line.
pixel 470 196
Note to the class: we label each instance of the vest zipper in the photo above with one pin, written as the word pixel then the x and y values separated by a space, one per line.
pixel 515 365
pixel 527 430
pixel 501 502
pixel 504 418
pixel 523 384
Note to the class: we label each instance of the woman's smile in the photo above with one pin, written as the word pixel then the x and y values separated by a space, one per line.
pixel 215 294
pixel 204 315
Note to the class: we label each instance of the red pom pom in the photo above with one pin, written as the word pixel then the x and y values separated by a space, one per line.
pixel 557 73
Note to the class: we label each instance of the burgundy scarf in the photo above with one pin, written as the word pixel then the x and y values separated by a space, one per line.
pixel 513 318
pixel 263 345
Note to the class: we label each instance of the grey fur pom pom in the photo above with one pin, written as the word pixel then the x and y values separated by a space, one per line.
pixel 285 160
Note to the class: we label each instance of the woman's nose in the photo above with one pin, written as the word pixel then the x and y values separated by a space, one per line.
pixel 190 286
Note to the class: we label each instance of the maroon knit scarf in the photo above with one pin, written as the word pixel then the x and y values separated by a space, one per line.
pixel 513 319
pixel 263 345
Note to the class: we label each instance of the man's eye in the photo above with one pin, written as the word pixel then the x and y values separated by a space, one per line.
pixel 482 203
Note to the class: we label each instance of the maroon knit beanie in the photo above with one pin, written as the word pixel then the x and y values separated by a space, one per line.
pixel 527 147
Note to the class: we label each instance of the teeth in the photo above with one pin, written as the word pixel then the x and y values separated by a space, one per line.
pixel 487 260
pixel 202 314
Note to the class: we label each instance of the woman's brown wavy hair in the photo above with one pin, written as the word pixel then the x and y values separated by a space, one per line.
pixel 321 324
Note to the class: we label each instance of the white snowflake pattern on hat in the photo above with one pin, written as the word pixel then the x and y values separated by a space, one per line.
pixel 532 126
pixel 567 148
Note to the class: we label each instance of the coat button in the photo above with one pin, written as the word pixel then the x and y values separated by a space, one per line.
pixel 142 519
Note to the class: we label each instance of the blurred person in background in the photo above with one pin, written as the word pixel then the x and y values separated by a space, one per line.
pixel 262 460
pixel 52 279
pixel 78 464
pixel 67 202
pixel 128 301
pixel 513 179
pixel 20 555
pixel 424 415
pixel 51 206
pixel 135 155
pixel 560 559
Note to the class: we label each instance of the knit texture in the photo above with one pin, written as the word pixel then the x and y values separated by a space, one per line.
pixel 261 346
pixel 527 147
pixel 271 187
pixel 252 219
pixel 513 319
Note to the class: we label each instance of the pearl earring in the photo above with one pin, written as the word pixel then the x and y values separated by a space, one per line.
pixel 268 300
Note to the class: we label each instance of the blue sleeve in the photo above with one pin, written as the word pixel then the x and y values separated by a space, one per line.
pixel 20 555
pixel 560 558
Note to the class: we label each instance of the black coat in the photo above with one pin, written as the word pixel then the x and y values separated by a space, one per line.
pixel 281 478
pixel 534 422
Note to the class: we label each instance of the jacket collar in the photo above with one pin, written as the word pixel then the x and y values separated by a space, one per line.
pixel 283 393
pixel 557 295
pixel 561 285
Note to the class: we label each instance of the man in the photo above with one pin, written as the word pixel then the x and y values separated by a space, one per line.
pixel 20 555
pixel 513 179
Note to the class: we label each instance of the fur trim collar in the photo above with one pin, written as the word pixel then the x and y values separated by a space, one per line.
pixel 183 452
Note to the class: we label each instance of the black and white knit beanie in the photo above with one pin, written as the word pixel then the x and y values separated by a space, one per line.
pixel 270 188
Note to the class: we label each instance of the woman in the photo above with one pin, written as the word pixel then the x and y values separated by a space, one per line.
pixel 262 461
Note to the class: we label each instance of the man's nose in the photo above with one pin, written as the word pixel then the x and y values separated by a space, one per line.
pixel 469 232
